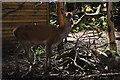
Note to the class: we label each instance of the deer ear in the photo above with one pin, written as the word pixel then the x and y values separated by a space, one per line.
pixel 62 11
pixel 75 11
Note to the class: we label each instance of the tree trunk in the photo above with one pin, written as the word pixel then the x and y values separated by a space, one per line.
pixel 61 22
pixel 60 16
pixel 111 29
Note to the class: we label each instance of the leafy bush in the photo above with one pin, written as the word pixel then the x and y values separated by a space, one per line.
pixel 98 24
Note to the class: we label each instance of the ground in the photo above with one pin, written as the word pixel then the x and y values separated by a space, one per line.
pixel 106 68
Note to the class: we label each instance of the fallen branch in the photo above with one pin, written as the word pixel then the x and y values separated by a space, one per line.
pixel 74 61
pixel 88 62
pixel 101 75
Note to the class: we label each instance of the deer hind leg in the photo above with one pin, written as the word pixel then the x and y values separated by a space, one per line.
pixel 48 58
pixel 17 51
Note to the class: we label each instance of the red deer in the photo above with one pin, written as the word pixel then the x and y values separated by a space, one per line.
pixel 43 34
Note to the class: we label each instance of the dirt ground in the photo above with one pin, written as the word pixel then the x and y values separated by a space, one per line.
pixel 10 72
pixel 98 72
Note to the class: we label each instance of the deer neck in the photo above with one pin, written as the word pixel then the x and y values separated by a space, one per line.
pixel 66 29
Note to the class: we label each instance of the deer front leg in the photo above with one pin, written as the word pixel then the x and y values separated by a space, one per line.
pixel 30 57
pixel 48 58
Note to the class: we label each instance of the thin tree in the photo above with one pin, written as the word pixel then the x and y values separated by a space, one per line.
pixel 111 29
pixel 60 19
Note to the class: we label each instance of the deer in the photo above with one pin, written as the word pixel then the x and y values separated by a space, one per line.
pixel 43 34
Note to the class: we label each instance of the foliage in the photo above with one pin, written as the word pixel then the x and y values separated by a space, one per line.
pixel 81 27
pixel 110 53
pixel 39 51
pixel 97 24
pixel 94 24
pixel 116 5
pixel 53 21
pixel 114 53
pixel 104 47
pixel 23 52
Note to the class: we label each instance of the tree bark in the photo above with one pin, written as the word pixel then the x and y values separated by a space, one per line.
pixel 111 29
pixel 60 17
pixel 61 22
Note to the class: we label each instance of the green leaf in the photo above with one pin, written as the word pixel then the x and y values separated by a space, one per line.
pixel 104 23
pixel 37 52
pixel 82 24
pixel 113 52
pixel 77 28
pixel 100 33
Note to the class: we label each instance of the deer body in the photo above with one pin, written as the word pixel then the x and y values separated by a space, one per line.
pixel 42 34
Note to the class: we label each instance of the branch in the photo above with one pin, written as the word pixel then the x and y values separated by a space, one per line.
pixel 100 75
pixel 84 17
pixel 97 11
pixel 74 62
pixel 88 62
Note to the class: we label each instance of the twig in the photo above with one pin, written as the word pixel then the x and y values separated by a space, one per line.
pixel 76 55
pixel 100 75
pixel 90 63
pixel 68 58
